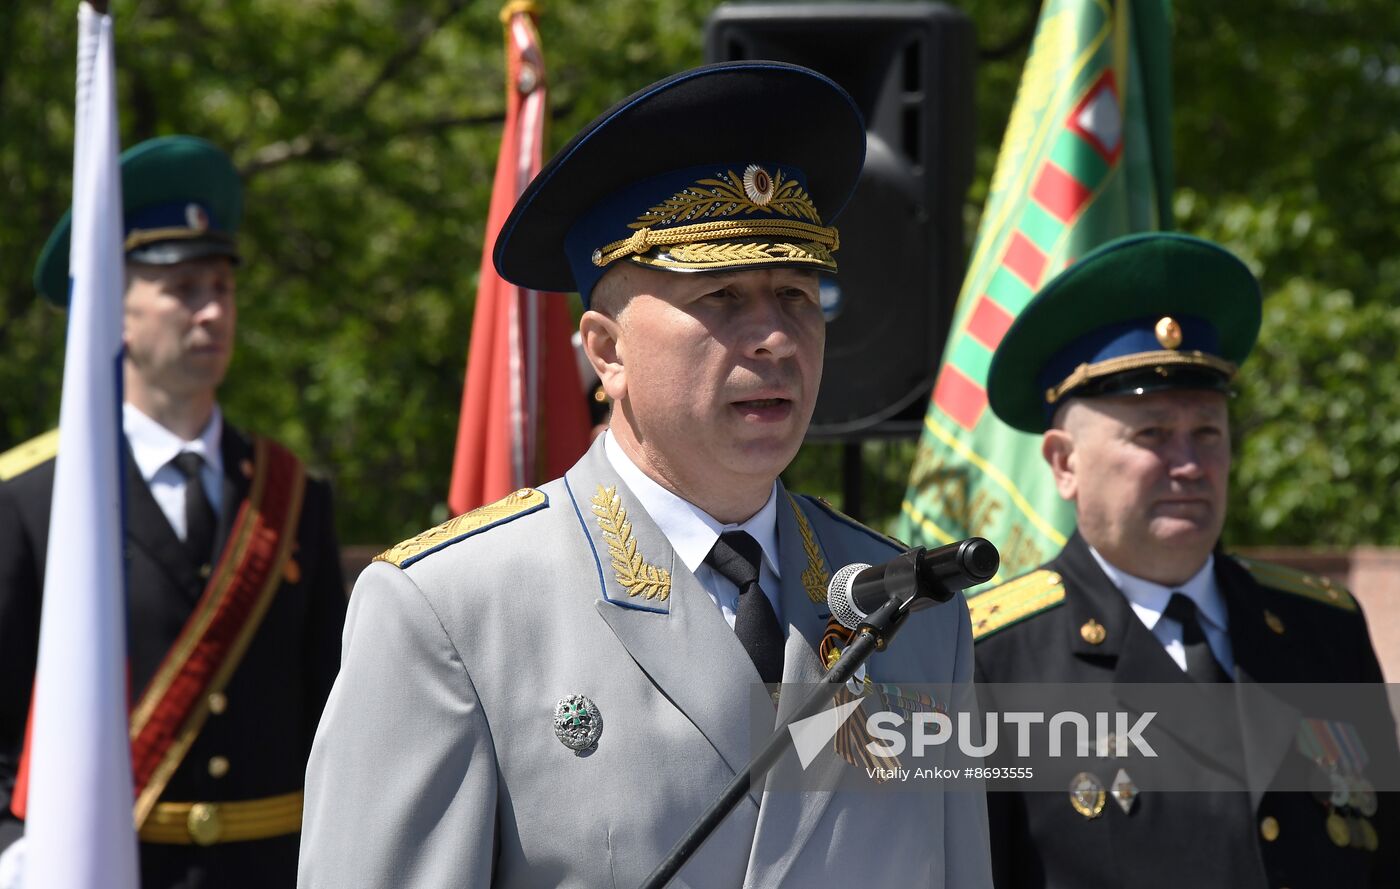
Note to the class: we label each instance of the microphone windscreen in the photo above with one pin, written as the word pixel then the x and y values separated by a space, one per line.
pixel 838 596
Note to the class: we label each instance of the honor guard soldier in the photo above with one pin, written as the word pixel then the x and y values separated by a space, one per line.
pixel 549 690
pixel 1124 364
pixel 235 594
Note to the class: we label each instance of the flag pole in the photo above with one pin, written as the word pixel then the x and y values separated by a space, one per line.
pixel 79 832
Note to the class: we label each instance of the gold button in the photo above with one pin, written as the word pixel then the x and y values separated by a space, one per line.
pixel 204 824
pixel 291 572
pixel 205 571
pixel 218 703
pixel 1268 828
pixel 1092 632
pixel 1274 622
pixel 218 766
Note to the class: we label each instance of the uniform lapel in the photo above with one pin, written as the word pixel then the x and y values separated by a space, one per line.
pixel 805 574
pixel 1268 723
pixel 660 613
pixel 1139 661
pixel 149 529
pixel 237 454
pixel 787 818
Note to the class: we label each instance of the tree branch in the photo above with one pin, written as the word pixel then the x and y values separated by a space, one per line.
pixel 303 147
pixel 308 147
pixel 398 61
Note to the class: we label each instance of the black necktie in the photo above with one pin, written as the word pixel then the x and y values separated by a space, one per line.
pixel 199 514
pixel 736 556
pixel 1201 664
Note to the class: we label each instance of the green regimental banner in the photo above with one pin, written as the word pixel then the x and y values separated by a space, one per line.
pixel 1086 158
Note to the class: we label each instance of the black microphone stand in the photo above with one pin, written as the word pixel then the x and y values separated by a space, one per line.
pixel 872 636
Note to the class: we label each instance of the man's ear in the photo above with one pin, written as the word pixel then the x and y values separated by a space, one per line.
pixel 601 335
pixel 1057 447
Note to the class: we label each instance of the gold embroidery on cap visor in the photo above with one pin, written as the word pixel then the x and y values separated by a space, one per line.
pixel 726 195
pixel 1086 372
pixel 726 241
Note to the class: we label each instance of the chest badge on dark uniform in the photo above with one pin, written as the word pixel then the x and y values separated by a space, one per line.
pixel 1087 794
pixel 1338 782
pixel 577 723
pixel 1125 792
pixel 1093 632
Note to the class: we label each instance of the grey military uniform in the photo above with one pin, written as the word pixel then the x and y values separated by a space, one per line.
pixel 436 763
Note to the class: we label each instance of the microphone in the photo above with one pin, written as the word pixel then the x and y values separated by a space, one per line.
pixel 916 579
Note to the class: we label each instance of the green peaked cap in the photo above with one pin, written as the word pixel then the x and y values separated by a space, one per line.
pixel 162 179
pixel 1098 322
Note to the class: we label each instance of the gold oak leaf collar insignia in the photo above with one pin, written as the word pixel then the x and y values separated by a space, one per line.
pixel 816 578
pixel 634 573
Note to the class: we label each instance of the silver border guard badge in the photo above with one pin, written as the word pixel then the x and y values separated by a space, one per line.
pixel 577 723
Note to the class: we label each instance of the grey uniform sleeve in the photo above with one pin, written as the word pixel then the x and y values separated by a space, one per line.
pixel 966 848
pixel 401 783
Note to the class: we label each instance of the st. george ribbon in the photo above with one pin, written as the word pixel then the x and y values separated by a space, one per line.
pixel 873 602
pixel 916 579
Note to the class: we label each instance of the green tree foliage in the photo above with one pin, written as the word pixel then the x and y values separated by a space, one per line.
pixel 367 132
pixel 1288 151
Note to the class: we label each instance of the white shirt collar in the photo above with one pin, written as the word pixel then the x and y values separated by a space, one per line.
pixel 153 446
pixel 691 531
pixel 1149 600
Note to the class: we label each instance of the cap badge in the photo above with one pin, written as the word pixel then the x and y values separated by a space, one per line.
pixel 1168 333
pixel 196 218
pixel 577 723
pixel 758 185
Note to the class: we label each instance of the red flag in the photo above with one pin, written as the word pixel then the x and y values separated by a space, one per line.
pixel 524 417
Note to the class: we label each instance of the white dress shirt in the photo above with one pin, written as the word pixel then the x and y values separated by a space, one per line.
pixel 1148 600
pixel 692 532
pixel 153 447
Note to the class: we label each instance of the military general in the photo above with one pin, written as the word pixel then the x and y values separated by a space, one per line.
pixel 235 594
pixel 1123 364
pixel 547 691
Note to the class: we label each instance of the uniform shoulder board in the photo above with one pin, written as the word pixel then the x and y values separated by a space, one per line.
pixel 844 519
pixel 512 506
pixel 1300 583
pixel 25 456
pixel 1014 601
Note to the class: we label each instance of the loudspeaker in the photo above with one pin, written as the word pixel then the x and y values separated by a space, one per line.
pixel 910 69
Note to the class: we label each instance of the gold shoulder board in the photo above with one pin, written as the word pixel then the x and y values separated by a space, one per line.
pixel 1014 601
pixel 25 456
pixel 511 506
pixel 1300 583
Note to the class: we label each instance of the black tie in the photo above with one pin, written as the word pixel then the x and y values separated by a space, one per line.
pixel 199 514
pixel 735 556
pixel 1201 664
